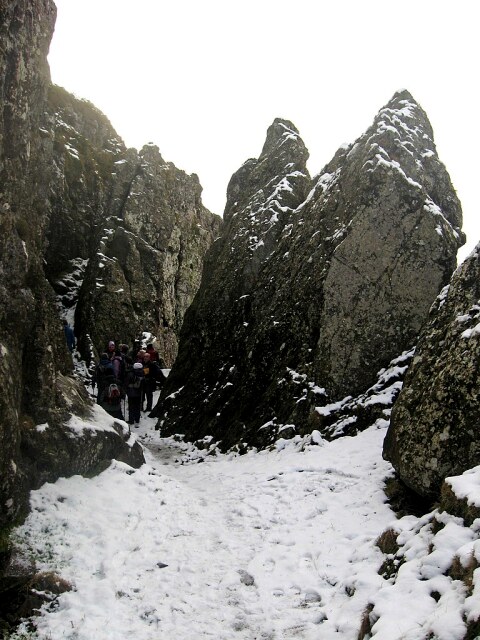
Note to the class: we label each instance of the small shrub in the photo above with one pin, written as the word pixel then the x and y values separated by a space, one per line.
pixel 387 542
pixel 390 568
pixel 437 526
pixel 459 507
pixel 458 571
pixel 367 623
pixel 473 630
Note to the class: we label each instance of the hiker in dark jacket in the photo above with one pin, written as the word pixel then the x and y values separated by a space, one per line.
pixel 111 399
pixel 128 361
pixel 135 349
pixel 118 366
pixel 69 335
pixel 115 358
pixel 134 386
pixel 151 371
pixel 103 375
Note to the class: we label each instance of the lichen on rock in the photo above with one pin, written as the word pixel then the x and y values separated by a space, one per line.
pixel 433 431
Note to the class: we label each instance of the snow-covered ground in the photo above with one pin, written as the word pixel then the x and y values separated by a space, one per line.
pixel 266 546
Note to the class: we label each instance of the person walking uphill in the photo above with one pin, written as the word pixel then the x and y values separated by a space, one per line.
pixel 69 335
pixel 152 353
pixel 111 399
pixel 103 375
pixel 134 386
pixel 152 372
pixel 109 391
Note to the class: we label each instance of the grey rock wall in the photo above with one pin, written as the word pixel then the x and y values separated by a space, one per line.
pixel 314 286
pixel 434 427
pixel 149 258
pixel 26 310
pixel 128 225
pixel 85 149
pixel 71 194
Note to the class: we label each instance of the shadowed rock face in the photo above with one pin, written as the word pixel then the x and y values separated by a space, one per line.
pixel 148 262
pixel 434 426
pixel 30 341
pixel 304 300
pixel 34 363
pixel 129 225
pixel 71 191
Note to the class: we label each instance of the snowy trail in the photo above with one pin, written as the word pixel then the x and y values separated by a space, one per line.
pixel 268 546
pixel 294 533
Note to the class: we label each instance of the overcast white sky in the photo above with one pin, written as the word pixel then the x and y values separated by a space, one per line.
pixel 203 79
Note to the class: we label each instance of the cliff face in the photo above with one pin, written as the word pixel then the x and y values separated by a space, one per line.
pixel 148 262
pixel 392 224
pixel 434 426
pixel 127 232
pixel 71 194
pixel 306 297
pixel 85 149
pixel 27 315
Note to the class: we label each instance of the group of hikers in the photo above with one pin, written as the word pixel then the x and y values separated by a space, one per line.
pixel 132 374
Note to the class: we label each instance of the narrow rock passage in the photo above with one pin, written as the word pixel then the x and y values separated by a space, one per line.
pixel 269 545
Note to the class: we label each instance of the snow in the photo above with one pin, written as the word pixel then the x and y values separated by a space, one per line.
pixel 442 296
pixel 467 485
pixel 386 397
pixel 474 331
pixel 332 407
pixel 271 545
pixel 100 421
pixel 392 165
pixel 72 151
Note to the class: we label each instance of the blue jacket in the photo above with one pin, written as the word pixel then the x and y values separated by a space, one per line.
pixel 69 337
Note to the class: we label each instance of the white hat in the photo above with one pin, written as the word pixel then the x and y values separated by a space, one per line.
pixel 138 365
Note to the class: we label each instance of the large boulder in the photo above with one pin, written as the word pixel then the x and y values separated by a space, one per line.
pixel 314 286
pixel 220 327
pixel 434 426
pixel 395 224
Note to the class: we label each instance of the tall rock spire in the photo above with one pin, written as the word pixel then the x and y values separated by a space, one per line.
pixel 390 228
pixel 262 197
pixel 307 295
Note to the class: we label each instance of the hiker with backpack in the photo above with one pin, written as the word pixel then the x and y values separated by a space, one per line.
pixel 134 386
pixel 118 364
pixel 114 356
pixel 127 359
pixel 137 345
pixel 111 399
pixel 102 375
pixel 109 390
pixel 151 372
